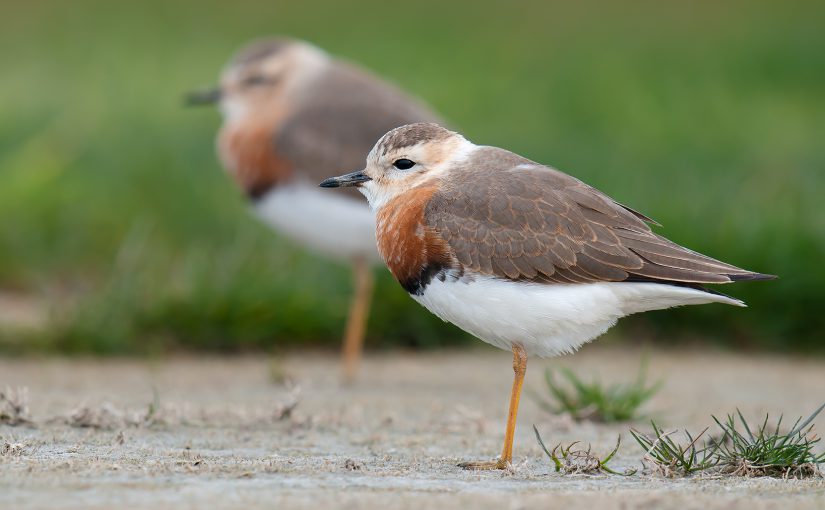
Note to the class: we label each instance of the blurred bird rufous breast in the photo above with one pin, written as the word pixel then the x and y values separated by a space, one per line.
pixel 292 115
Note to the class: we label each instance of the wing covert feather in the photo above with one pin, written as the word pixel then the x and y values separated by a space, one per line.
pixel 503 215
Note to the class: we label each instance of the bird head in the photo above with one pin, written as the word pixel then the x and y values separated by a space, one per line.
pixel 259 75
pixel 403 159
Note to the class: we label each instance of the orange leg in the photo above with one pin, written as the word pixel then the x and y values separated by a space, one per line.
pixel 519 369
pixel 357 319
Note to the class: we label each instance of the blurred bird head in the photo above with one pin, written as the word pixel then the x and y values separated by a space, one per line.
pixel 404 158
pixel 260 76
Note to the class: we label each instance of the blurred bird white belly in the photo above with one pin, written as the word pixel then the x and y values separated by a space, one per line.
pixel 549 319
pixel 337 226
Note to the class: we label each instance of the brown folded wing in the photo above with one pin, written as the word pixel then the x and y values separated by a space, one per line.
pixel 509 217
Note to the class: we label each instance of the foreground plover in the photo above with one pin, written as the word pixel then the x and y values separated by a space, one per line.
pixel 291 113
pixel 522 256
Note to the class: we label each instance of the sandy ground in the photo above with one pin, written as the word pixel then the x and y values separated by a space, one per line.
pixel 221 434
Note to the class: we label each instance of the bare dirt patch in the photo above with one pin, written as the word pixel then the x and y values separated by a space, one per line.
pixel 219 433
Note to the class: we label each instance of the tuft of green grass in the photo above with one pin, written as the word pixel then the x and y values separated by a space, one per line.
pixel 571 460
pixel 670 457
pixel 751 452
pixel 596 401
pixel 766 451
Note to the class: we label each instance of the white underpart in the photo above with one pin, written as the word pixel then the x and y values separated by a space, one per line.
pixel 549 319
pixel 334 225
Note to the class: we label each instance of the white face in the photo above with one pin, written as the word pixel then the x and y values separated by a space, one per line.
pixel 399 170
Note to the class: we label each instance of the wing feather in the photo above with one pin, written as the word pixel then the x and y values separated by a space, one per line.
pixel 506 216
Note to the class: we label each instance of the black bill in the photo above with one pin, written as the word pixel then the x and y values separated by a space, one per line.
pixel 343 181
pixel 203 97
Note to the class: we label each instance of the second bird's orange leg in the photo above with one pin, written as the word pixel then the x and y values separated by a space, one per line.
pixel 357 319
pixel 519 369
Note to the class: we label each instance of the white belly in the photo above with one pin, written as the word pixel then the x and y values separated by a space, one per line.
pixel 549 319
pixel 332 224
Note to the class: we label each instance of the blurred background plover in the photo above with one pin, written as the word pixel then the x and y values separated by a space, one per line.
pixel 292 115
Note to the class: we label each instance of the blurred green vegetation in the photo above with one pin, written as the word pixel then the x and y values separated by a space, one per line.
pixel 707 116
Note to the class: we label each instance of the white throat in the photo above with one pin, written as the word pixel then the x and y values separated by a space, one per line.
pixel 377 196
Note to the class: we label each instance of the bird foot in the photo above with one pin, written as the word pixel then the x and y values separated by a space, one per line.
pixel 484 465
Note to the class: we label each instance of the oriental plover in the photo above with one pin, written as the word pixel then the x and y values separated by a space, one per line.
pixel 519 254
pixel 291 113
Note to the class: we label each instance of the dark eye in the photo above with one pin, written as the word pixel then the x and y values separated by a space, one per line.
pixel 403 164
pixel 257 79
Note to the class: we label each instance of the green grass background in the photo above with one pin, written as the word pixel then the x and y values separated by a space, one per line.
pixel 707 116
